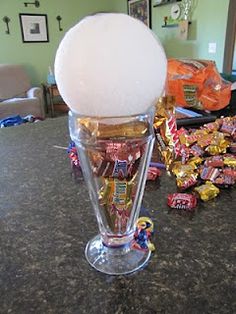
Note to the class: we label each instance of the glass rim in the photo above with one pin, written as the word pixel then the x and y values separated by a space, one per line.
pixel 150 111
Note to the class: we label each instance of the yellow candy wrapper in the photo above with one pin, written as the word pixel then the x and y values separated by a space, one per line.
pixel 134 129
pixel 230 162
pixel 207 191
pixel 180 170
pixel 165 128
pixel 116 198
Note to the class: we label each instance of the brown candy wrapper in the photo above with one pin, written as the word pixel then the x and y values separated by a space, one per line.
pixel 133 129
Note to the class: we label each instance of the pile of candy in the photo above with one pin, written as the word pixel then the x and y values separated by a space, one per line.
pixel 206 161
pixel 202 160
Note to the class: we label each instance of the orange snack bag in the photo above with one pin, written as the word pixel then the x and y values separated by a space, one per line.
pixel 197 84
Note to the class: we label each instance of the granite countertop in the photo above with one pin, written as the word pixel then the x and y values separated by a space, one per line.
pixel 46 220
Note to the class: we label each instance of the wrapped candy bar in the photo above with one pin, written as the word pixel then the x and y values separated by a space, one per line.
pixel 213 126
pixel 180 170
pixel 214 161
pixel 191 137
pixel 216 150
pixel 219 144
pixel 195 161
pixel 117 169
pixel 153 173
pixel 103 131
pixel 230 161
pixel 182 201
pixel 117 160
pixel 228 126
pixel 116 197
pixel 184 153
pixel 196 150
pixel 209 173
pixel 207 191
pixel 224 180
pixel 230 172
pixel 205 140
pixel 231 156
pixel 166 129
pixel 232 148
pixel 122 151
pixel 186 182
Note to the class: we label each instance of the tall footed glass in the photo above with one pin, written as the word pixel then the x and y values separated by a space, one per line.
pixel 114 154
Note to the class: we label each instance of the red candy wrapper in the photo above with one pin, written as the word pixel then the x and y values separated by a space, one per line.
pixel 182 201
pixel 214 161
pixel 230 172
pixel 224 181
pixel 153 173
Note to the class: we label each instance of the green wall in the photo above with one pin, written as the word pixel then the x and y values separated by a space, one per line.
pixel 209 20
pixel 37 57
pixel 208 25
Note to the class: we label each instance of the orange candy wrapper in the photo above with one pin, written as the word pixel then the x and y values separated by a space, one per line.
pixel 197 84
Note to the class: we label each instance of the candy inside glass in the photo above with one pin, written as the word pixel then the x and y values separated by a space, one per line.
pixel 114 154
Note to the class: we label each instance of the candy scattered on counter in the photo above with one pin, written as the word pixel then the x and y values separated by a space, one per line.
pixel 207 161
pixel 207 191
pixel 202 160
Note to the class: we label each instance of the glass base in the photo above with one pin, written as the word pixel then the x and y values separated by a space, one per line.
pixel 115 261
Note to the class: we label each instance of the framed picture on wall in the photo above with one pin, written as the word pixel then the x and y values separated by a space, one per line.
pixel 141 10
pixel 34 28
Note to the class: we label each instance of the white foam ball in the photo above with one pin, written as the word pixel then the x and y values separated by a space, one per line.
pixel 110 65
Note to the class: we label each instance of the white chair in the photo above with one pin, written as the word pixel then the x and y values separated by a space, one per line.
pixel 17 96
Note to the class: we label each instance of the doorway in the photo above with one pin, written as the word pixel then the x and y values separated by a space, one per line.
pixel 229 65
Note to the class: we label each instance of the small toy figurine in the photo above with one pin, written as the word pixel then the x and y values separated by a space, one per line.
pixel 73 155
pixel 143 233
pixel 165 20
pixel 76 170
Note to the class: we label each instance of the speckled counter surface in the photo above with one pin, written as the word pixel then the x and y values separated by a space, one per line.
pixel 46 220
